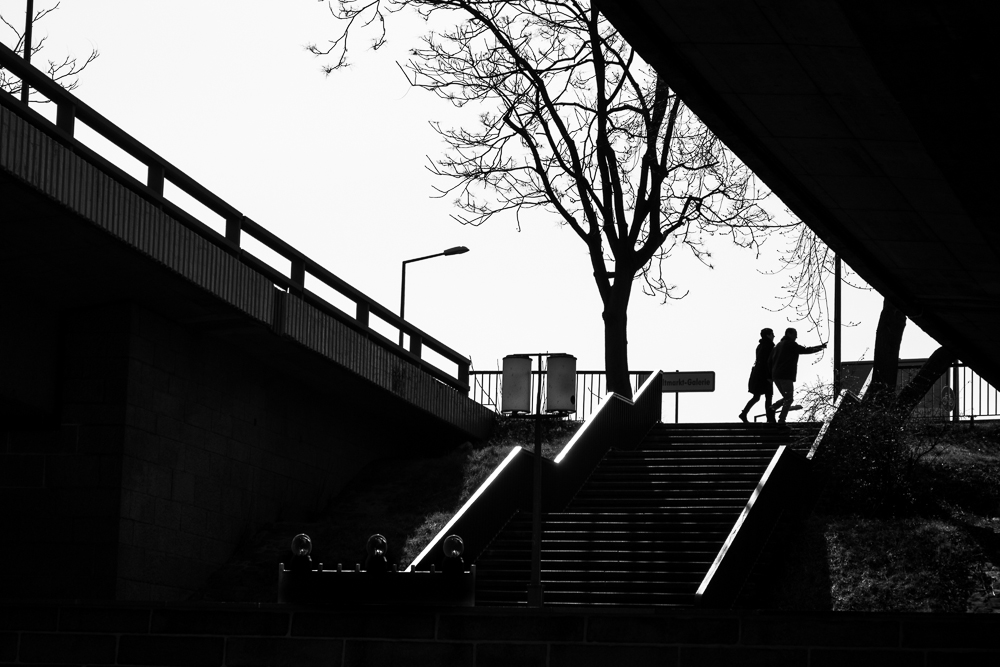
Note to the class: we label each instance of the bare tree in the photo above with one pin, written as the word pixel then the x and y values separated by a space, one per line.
pixel 574 124
pixel 810 263
pixel 65 72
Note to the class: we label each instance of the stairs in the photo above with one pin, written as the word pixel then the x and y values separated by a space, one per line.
pixel 646 526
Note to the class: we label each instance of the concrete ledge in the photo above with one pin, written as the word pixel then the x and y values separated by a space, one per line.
pixel 226 634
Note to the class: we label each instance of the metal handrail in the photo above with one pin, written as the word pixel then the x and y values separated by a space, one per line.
pixel 70 109
pixel 618 422
pixel 591 389
pixel 975 396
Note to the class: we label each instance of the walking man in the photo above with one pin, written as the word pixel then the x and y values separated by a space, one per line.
pixel 760 376
pixel 784 365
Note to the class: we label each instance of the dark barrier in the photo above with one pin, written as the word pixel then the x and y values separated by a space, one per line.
pixel 213 635
pixel 356 588
pixel 736 559
pixel 789 479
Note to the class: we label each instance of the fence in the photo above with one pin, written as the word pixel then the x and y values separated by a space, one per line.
pixel 974 396
pixel 297 270
pixel 591 387
pixel 969 396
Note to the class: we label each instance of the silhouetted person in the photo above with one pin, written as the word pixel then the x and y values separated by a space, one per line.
pixel 760 376
pixel 784 365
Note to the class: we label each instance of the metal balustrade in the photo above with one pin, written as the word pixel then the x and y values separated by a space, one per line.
pixel 486 388
pixel 973 397
pixel 159 172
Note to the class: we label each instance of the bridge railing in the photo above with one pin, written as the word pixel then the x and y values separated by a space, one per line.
pixel 69 110
pixel 972 397
pixel 591 388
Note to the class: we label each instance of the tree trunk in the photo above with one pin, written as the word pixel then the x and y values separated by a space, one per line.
pixel 888 338
pixel 616 345
pixel 911 395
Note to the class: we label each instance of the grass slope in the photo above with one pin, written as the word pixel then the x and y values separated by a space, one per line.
pixel 938 551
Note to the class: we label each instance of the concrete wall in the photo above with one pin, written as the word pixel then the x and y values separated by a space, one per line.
pixel 242 636
pixel 60 486
pixel 164 448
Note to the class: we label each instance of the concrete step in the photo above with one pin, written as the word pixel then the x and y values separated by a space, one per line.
pixel 646 526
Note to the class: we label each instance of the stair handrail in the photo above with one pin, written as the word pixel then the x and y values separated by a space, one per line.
pixel 618 421
pixel 842 408
pixel 776 488
pixel 736 558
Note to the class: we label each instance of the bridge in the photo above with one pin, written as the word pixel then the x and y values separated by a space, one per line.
pixel 871 122
pixel 162 389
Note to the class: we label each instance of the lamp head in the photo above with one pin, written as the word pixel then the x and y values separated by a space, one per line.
pixel 302 545
pixel 457 250
pixel 453 549
pixel 453 546
pixel 301 548
pixel 377 548
pixel 377 545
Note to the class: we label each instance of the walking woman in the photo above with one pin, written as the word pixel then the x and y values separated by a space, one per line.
pixel 760 377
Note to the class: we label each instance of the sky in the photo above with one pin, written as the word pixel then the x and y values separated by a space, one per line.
pixel 336 166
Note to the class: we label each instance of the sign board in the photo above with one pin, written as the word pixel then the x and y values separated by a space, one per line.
pixel 689 381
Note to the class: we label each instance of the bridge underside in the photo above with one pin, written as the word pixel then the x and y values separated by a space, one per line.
pixel 160 399
pixel 52 261
pixel 73 237
pixel 872 123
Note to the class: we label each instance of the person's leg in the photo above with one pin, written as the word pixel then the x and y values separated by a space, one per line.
pixel 768 408
pixel 776 404
pixel 750 404
pixel 786 387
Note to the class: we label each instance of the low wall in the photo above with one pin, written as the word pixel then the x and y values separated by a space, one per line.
pixel 235 636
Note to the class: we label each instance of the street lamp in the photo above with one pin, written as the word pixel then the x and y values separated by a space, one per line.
pixel 457 250
pixel 29 21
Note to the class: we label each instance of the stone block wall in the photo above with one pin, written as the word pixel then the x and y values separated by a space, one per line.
pixel 244 636
pixel 60 486
pixel 167 445
pixel 215 444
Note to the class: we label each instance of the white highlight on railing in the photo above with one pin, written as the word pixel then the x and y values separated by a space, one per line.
pixel 739 522
pixel 433 544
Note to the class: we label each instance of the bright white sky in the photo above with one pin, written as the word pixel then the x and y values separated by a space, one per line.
pixel 334 165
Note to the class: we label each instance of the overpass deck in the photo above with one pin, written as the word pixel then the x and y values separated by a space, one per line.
pixel 77 230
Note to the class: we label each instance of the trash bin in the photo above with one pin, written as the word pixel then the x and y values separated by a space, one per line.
pixel 561 394
pixel 516 385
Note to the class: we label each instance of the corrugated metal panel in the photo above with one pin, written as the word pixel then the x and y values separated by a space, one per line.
pixel 341 344
pixel 50 167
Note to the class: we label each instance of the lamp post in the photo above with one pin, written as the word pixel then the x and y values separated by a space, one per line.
pixel 457 250
pixel 517 400
pixel 28 23
pixel 838 380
